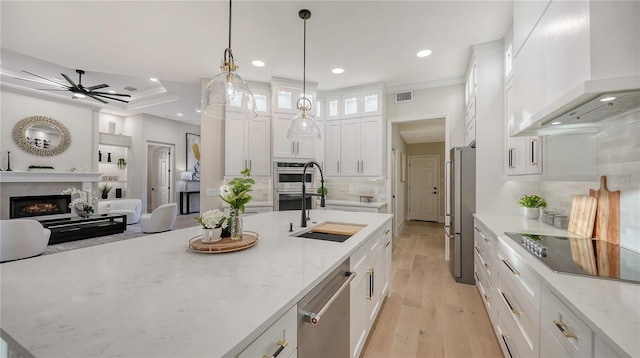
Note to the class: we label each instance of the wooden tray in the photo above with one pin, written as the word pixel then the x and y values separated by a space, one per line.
pixel 249 239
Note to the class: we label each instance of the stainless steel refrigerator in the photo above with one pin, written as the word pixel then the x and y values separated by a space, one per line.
pixel 461 205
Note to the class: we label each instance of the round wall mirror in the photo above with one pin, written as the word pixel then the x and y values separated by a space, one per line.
pixel 43 136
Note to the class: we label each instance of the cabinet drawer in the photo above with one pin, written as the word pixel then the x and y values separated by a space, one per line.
pixel 572 334
pixel 527 319
pixel 513 268
pixel 367 249
pixel 282 333
pixel 486 290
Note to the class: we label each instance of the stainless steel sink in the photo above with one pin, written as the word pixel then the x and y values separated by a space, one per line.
pixel 324 236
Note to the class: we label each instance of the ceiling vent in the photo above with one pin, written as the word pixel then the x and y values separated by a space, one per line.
pixel 406 96
pixel 130 89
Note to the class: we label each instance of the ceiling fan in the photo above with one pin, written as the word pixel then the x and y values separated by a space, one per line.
pixel 78 90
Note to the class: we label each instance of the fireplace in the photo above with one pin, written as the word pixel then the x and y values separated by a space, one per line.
pixel 28 206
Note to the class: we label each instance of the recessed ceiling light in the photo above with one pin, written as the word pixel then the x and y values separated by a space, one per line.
pixel 198 111
pixel 338 70
pixel 423 53
pixel 257 63
pixel 78 95
pixel 112 91
pixel 555 123
pixel 152 79
pixel 179 114
pixel 607 99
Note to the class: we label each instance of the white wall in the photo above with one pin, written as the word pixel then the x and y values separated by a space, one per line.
pixel 146 129
pixel 212 158
pixel 401 195
pixel 80 121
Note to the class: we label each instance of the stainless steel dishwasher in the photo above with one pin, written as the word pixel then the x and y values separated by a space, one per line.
pixel 323 316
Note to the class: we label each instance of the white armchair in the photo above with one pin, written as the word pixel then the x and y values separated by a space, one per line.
pixel 130 207
pixel 161 219
pixel 22 238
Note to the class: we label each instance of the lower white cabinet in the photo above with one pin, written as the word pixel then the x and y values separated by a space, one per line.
pixel 563 332
pixel 372 265
pixel 281 339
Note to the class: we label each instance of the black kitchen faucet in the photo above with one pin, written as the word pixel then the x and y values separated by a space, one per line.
pixel 303 222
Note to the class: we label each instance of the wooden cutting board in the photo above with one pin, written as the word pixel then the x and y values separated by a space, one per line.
pixel 338 228
pixel 583 215
pixel 607 223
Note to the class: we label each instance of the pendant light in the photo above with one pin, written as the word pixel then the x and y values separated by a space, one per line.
pixel 304 124
pixel 227 95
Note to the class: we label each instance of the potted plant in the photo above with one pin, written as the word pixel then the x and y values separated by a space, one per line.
pixel 236 194
pixel 531 205
pixel 82 202
pixel 104 190
pixel 213 222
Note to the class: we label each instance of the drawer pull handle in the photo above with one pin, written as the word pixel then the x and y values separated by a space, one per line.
pixel 487 297
pixel 487 265
pixel 386 232
pixel 477 277
pixel 387 244
pixel 514 311
pixel 563 328
pixel 281 347
pixel 504 339
pixel 513 271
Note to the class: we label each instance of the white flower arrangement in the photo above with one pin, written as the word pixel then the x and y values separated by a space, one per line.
pixel 212 219
pixel 81 200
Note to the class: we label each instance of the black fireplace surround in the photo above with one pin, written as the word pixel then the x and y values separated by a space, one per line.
pixel 38 205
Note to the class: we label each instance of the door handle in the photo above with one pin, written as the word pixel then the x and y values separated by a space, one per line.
pixel 314 318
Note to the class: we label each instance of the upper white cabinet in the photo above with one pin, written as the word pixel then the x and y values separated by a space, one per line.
pixel 332 148
pixel 286 93
pixel 361 147
pixel 248 145
pixel 569 51
pixel 262 94
pixel 284 147
pixel 355 102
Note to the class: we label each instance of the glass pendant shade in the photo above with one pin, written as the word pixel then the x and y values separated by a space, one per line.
pixel 304 125
pixel 227 96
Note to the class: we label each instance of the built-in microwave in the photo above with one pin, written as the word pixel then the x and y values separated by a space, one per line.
pixel 288 175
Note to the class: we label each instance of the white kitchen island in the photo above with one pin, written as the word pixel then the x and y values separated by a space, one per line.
pixel 151 297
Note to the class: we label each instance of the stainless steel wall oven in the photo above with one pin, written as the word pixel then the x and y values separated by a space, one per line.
pixel 287 185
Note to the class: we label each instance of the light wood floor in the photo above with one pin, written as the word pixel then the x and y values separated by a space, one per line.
pixel 429 314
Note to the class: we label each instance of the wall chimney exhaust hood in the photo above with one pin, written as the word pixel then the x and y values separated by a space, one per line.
pixel 582 109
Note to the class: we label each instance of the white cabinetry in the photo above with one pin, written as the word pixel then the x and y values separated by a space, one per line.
pixel 470 95
pixel 570 48
pixel 371 263
pixel 332 148
pixel 361 147
pixel 284 147
pixel 523 155
pixel 247 145
pixel 563 334
pixel 485 269
pixel 281 339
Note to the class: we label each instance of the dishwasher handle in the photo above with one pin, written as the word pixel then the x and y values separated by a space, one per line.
pixel 314 318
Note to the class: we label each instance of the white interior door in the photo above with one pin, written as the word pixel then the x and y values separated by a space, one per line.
pixel 423 188
pixel 160 177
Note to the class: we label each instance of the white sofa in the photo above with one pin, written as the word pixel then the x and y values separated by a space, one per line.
pixel 130 207
pixel 161 219
pixel 22 238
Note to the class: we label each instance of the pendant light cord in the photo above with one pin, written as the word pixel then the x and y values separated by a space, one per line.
pixel 304 62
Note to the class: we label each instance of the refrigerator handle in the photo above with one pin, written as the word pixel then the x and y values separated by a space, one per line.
pixel 447 182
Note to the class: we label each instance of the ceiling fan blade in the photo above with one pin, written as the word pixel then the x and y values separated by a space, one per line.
pixel 111 98
pixel 52 89
pixel 73 85
pixel 42 83
pixel 111 94
pixel 44 78
pixel 96 98
pixel 104 85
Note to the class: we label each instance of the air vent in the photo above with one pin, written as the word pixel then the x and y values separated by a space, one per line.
pixel 130 89
pixel 404 96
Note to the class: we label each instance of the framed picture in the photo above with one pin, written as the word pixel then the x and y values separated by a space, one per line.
pixel 193 155
pixel 403 167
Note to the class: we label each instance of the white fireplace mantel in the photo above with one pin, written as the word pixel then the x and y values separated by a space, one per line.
pixel 48 177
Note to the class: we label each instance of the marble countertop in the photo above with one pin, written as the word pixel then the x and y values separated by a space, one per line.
pixel 610 308
pixel 373 204
pixel 150 296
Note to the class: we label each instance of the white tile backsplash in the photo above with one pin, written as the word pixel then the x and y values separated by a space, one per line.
pixel 618 158
pixel 352 188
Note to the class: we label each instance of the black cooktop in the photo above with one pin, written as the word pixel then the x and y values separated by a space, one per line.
pixel 582 256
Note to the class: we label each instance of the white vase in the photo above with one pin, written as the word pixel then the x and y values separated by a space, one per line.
pixel 211 235
pixel 531 213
